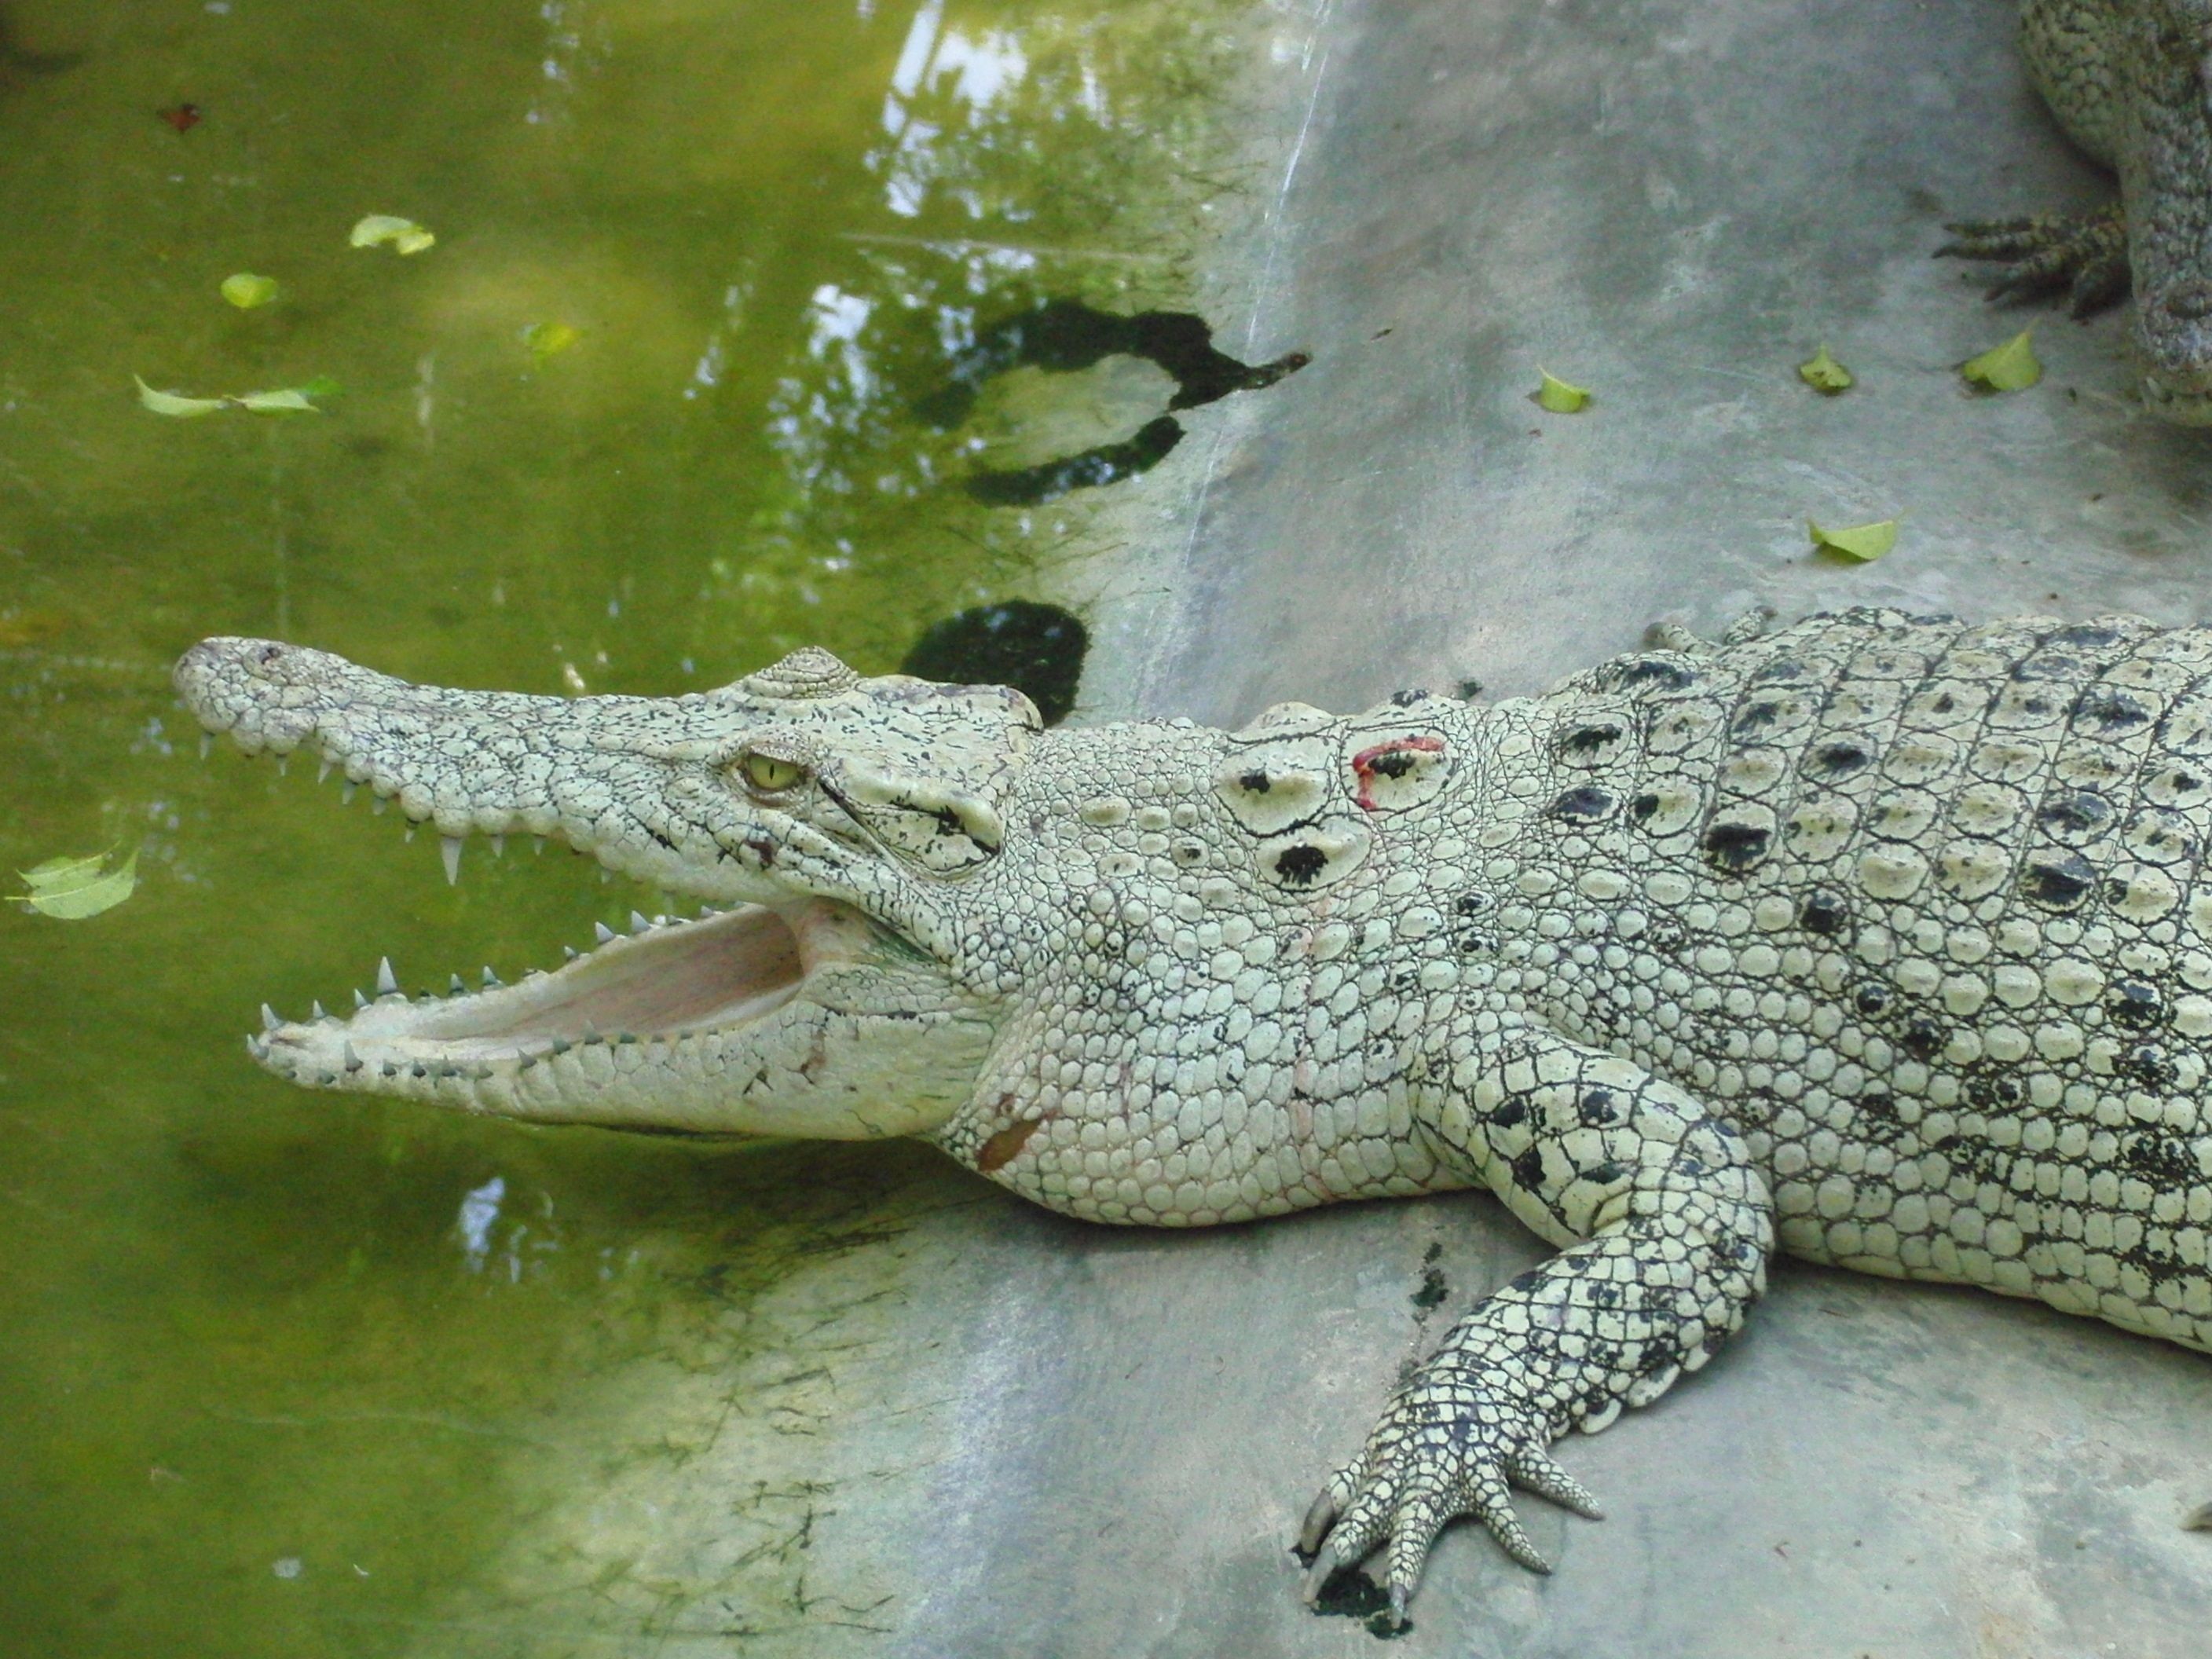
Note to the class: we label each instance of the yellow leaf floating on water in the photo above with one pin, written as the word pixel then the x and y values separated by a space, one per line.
pixel 1864 542
pixel 294 400
pixel 245 290
pixel 1826 375
pixel 70 890
pixel 2008 367
pixel 404 234
pixel 1557 396
pixel 549 339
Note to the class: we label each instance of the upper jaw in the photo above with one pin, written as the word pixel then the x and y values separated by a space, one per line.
pixel 629 781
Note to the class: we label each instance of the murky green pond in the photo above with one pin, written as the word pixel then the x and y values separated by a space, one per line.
pixel 285 1374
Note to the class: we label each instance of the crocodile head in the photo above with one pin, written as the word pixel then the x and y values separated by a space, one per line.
pixel 829 822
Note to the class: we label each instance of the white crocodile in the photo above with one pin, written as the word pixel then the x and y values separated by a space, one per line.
pixel 1884 939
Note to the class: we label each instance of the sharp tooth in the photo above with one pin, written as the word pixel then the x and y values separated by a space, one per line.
pixel 387 984
pixel 605 875
pixel 389 1069
pixel 601 932
pixel 352 1059
pixel 410 836
pixel 560 1045
pixel 376 804
pixel 323 772
pixel 568 953
pixel 638 924
pixel 459 990
pixel 283 765
pixel 207 744
pixel 537 843
pixel 498 847
pixel 345 792
pixel 256 1047
pixel 360 999
pixel 269 1020
pixel 321 1013
pixel 491 980
pixel 450 847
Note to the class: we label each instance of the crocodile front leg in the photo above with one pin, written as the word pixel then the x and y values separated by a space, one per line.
pixel 1673 1227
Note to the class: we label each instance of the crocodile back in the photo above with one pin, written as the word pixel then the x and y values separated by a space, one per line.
pixel 1918 905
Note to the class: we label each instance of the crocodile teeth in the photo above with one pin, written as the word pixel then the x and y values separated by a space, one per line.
pixel 449 847
pixel 601 933
pixel 376 804
pixel 568 953
pixel 360 999
pixel 323 773
pixel 319 1014
pixel 498 847
pixel 345 792
pixel 491 980
pixel 352 1059
pixel 638 924
pixel 207 744
pixel 269 1020
pixel 387 982
pixel 456 987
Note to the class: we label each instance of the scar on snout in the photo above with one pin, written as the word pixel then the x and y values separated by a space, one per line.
pixel 1000 1149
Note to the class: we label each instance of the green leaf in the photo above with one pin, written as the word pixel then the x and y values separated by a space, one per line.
pixel 64 871
pixel 273 403
pixel 70 890
pixel 289 400
pixel 404 234
pixel 1557 396
pixel 549 339
pixel 1864 542
pixel 1826 375
pixel 171 403
pixel 2008 367
pixel 245 290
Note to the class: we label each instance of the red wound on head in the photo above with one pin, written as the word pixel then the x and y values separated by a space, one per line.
pixel 1370 764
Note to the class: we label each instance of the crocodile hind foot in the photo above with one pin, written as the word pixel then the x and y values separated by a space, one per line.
pixel 1453 1441
pixel 2086 254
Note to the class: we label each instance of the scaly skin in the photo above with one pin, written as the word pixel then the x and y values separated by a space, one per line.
pixel 2127 79
pixel 1881 938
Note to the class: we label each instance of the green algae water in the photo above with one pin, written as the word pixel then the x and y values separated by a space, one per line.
pixel 283 1374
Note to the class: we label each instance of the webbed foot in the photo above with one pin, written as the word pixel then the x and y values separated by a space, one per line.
pixel 2086 254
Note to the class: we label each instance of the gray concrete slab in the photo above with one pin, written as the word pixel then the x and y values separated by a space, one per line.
pixel 1026 1436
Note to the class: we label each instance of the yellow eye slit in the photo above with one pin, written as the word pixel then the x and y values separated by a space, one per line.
pixel 766 772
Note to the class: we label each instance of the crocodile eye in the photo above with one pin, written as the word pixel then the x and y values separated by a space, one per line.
pixel 767 774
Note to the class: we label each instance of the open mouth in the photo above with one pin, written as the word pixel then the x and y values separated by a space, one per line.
pixel 668 984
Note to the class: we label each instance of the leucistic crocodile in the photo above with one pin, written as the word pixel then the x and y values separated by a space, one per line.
pixel 2128 80
pixel 1884 940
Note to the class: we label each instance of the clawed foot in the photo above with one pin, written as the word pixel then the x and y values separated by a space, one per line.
pixel 1448 1445
pixel 2087 256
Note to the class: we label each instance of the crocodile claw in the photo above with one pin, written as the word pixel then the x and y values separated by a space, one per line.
pixel 1452 1442
pixel 2087 255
